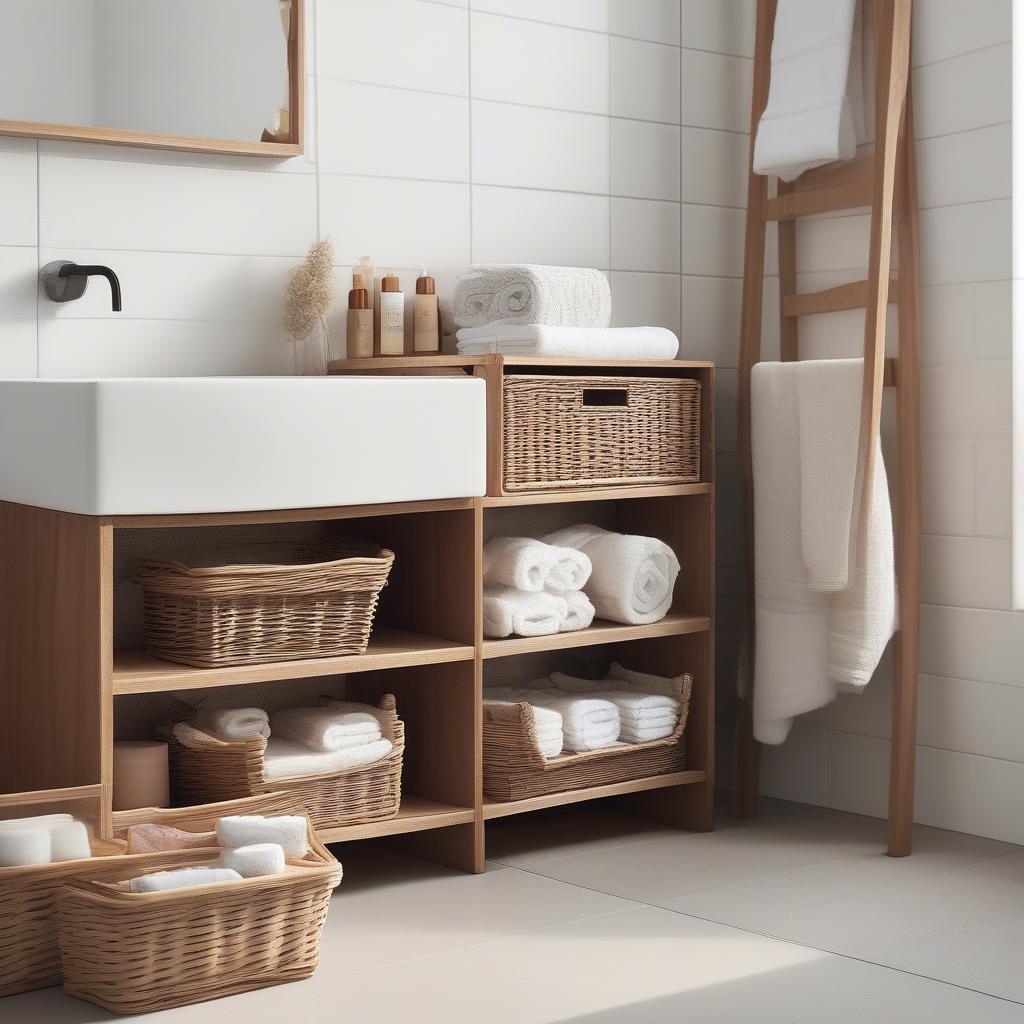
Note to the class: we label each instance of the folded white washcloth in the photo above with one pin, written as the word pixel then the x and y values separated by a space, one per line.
pixel 255 860
pixel 323 729
pixel 508 611
pixel 587 723
pixel 649 731
pixel 70 841
pixel 528 293
pixel 579 612
pixel 289 831
pixel 22 846
pixel 633 577
pixel 528 564
pixel 284 759
pixel 569 342
pixel 180 878
pixel 233 723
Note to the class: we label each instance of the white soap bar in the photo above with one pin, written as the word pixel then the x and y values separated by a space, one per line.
pixel 258 859
pixel 19 847
pixel 70 841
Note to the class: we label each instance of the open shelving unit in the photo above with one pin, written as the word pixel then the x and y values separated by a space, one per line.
pixel 71 633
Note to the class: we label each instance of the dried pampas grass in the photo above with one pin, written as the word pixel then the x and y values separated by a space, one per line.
pixel 310 290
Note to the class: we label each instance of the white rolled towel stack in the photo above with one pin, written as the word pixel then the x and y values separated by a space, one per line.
pixel 643 716
pixel 633 577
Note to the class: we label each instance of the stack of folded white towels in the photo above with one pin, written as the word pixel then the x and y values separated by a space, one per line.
pixel 333 737
pixel 559 583
pixel 43 839
pixel 577 715
pixel 527 309
pixel 251 846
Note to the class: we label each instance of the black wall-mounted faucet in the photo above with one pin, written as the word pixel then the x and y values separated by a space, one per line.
pixel 64 281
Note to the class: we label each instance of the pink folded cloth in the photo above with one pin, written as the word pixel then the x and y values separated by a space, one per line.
pixel 164 838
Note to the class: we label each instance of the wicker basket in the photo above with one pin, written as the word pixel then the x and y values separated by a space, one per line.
pixel 228 770
pixel 514 767
pixel 568 432
pixel 141 952
pixel 264 602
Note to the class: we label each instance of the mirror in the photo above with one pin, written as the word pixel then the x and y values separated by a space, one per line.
pixel 216 75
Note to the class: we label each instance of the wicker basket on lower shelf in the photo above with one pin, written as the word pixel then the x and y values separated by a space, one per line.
pixel 514 767
pixel 264 602
pixel 211 770
pixel 141 952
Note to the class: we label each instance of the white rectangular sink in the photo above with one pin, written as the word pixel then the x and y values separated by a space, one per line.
pixel 140 446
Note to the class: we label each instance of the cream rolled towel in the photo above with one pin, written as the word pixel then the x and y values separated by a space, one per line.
pixel 255 860
pixel 633 576
pixel 284 759
pixel 70 841
pixel 508 611
pixel 233 723
pixel 529 564
pixel 526 293
pixel 180 878
pixel 289 831
pixel 323 729
pixel 23 846
pixel 579 612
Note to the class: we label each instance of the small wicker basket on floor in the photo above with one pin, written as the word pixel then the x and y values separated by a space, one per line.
pixel 264 602
pixel 210 770
pixel 566 432
pixel 514 767
pixel 141 952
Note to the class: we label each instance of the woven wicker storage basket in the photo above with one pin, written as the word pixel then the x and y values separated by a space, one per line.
pixel 567 432
pixel 142 952
pixel 514 767
pixel 266 602
pixel 227 770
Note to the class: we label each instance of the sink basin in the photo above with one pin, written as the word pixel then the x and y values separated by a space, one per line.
pixel 140 446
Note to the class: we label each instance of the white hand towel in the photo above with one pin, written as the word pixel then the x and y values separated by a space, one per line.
pixel 649 731
pixel 532 293
pixel 233 723
pixel 284 759
pixel 587 723
pixel 322 729
pixel 23 846
pixel 180 878
pixel 579 612
pixel 569 342
pixel 810 118
pixel 255 860
pixel 528 564
pixel 631 703
pixel 633 577
pixel 70 841
pixel 508 611
pixel 289 831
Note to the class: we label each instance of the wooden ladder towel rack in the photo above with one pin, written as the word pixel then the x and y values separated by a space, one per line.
pixel 886 181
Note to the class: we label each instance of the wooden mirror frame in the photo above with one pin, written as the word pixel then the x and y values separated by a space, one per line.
pixel 158 140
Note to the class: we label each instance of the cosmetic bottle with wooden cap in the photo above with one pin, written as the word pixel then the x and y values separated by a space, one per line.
pixel 360 320
pixel 392 317
pixel 426 330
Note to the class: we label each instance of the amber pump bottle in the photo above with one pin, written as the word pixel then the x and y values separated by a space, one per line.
pixel 360 320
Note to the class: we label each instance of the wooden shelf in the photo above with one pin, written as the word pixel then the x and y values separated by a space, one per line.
pixel 599 494
pixel 371 364
pixel 415 815
pixel 137 672
pixel 503 808
pixel 601 632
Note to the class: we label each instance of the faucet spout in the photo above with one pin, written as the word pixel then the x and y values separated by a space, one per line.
pixel 64 281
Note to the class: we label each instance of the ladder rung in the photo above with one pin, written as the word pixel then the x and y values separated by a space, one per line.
pixel 820 200
pixel 843 296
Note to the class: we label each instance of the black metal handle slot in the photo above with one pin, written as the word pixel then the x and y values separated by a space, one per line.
pixel 605 397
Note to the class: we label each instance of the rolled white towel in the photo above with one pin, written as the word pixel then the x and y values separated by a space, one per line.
pixel 323 729
pixel 289 831
pixel 233 723
pixel 633 576
pixel 587 723
pixel 528 564
pixel 532 294
pixel 70 841
pixel 23 846
pixel 508 611
pixel 579 612
pixel 283 759
pixel 255 860
pixel 180 878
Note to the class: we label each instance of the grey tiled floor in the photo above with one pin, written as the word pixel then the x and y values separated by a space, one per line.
pixel 588 915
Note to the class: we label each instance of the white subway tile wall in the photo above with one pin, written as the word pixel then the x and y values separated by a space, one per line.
pixel 439 134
